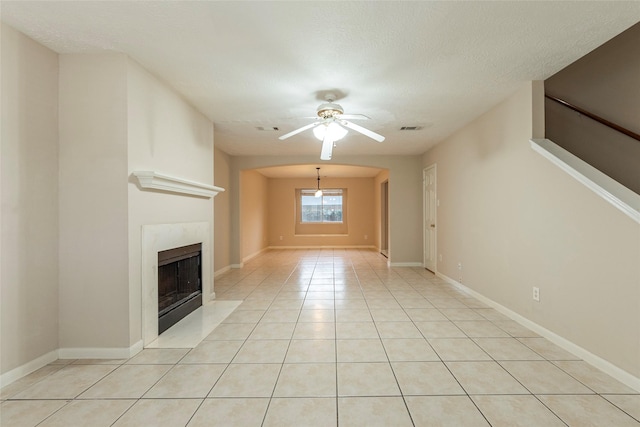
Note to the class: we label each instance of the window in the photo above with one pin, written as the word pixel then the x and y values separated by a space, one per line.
pixel 325 209
pixel 321 216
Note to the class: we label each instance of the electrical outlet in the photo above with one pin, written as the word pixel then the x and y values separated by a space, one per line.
pixel 536 293
pixel 280 237
pixel 366 237
pixel 460 266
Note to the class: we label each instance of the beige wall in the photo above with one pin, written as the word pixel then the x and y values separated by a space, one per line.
pixel 254 213
pixel 116 118
pixel 405 180
pixel 282 213
pixel 604 82
pixel 166 135
pixel 516 221
pixel 94 288
pixel 29 217
pixel 222 213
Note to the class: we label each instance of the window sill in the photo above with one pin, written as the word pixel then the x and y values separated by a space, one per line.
pixel 321 223
pixel 320 235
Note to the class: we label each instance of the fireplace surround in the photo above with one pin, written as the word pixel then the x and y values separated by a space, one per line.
pixel 160 237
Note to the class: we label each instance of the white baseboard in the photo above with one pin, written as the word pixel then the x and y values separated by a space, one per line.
pixel 100 352
pixel 29 367
pixel 405 264
pixel 221 271
pixel 136 348
pixel 600 363
pixel 324 247
pixel 255 254
pixel 237 265
pixel 68 353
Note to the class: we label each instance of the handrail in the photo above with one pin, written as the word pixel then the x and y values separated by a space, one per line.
pixel 594 117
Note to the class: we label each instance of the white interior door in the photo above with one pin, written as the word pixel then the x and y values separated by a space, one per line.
pixel 430 201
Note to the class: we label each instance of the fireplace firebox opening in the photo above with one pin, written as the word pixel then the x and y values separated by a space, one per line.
pixel 179 284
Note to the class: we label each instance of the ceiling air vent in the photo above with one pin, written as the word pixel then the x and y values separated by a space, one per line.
pixel 411 127
pixel 268 128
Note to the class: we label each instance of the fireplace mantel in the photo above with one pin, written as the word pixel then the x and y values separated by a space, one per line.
pixel 157 181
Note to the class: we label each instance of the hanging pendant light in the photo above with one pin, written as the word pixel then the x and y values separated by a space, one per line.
pixel 319 192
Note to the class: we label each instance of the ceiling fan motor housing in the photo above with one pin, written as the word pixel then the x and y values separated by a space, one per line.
pixel 329 110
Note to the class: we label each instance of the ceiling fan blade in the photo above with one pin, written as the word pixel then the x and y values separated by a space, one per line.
pixel 297 131
pixel 362 130
pixel 353 117
pixel 327 148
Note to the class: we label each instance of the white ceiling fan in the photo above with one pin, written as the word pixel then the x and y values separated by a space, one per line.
pixel 330 125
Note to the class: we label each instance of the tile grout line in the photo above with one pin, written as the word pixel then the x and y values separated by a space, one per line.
pixel 396 284
pixel 395 377
pixel 275 384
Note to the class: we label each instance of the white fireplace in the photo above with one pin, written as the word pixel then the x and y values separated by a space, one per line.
pixel 160 237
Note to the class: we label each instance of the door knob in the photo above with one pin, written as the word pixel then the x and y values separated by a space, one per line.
pixel 433 226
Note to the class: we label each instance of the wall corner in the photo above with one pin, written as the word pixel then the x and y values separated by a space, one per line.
pixel 537 109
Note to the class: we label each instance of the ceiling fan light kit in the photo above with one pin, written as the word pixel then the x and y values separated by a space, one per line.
pixel 329 109
pixel 333 129
pixel 333 120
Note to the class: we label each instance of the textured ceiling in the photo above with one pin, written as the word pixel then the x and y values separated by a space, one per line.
pixel 327 170
pixel 249 64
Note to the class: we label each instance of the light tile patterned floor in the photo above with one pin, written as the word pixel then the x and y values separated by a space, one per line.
pixel 334 337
